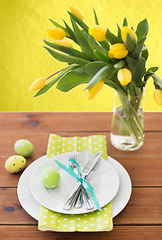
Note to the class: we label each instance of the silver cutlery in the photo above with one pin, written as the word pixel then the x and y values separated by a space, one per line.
pixel 86 170
pixel 82 196
pixel 79 201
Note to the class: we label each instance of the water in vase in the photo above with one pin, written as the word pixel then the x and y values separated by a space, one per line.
pixel 125 134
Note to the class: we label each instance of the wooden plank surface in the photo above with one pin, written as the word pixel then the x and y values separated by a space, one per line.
pixel 143 208
pixel 143 170
pixel 79 121
pixel 118 233
pixel 142 217
pixel 152 146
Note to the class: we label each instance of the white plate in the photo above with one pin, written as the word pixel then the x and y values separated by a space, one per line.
pixel 103 178
pixel 31 206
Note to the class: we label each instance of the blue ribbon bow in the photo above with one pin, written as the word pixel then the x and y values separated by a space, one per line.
pixel 84 182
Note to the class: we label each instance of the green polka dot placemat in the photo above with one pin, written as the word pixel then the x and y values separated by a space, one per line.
pixel 93 221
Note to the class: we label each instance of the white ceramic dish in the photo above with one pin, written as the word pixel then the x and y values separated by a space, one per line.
pixel 31 206
pixel 103 178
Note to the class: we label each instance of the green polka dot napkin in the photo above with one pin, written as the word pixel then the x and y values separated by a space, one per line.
pixel 93 221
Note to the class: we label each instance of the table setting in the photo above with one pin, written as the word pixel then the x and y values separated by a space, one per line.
pixel 81 171
pixel 110 182
pixel 119 62
pixel 136 207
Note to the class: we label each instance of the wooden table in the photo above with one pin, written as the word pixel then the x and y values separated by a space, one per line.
pixel 142 217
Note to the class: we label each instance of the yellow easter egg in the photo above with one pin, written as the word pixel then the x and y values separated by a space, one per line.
pixel 15 163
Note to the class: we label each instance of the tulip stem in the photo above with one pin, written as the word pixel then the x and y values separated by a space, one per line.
pixel 60 71
pixel 68 37
pixel 132 118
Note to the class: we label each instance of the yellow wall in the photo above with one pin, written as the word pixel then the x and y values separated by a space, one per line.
pixel 23 59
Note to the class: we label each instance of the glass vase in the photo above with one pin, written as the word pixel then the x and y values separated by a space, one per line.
pixel 127 128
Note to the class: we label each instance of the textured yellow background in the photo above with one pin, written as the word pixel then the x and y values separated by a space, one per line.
pixel 22 58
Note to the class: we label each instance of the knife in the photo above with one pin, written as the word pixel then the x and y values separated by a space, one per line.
pixel 86 170
pixel 82 196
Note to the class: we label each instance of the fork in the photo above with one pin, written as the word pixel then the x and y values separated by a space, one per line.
pixel 82 196
pixel 79 197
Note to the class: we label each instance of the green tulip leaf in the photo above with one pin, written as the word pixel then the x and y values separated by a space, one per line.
pixel 70 32
pixel 105 44
pixel 59 26
pixel 132 64
pixel 125 22
pixel 142 30
pixel 95 17
pixel 130 42
pixel 112 38
pixel 152 69
pixel 119 33
pixel 73 79
pixel 136 54
pixel 111 84
pixel 149 73
pixel 76 29
pixel 119 64
pixel 82 38
pixel 157 80
pixel 79 21
pixel 95 46
pixel 103 73
pixel 68 50
pixel 114 83
pixel 66 58
pixel 145 54
pixel 139 73
pixel 102 57
pixel 93 67
pixel 53 81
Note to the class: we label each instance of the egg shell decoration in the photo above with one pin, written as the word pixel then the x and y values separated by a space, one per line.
pixel 23 147
pixel 15 163
pixel 50 177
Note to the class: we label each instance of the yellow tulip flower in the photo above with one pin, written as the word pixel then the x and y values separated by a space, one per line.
pixel 157 95
pixel 118 51
pixel 125 30
pixel 124 76
pixel 63 43
pixel 98 33
pixel 38 84
pixel 92 91
pixel 76 12
pixel 55 33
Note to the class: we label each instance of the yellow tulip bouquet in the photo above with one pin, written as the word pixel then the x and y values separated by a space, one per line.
pixel 118 61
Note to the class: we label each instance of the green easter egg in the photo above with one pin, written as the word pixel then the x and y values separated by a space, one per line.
pixel 50 177
pixel 23 147
pixel 15 163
